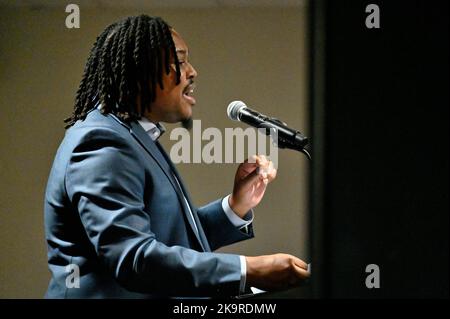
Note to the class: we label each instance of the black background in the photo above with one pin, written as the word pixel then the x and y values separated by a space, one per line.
pixel 380 148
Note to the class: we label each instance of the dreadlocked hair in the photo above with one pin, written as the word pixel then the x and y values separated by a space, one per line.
pixel 128 60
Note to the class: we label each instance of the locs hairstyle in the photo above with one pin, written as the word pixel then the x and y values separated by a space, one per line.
pixel 127 59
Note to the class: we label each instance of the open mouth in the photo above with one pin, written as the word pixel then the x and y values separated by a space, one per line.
pixel 188 93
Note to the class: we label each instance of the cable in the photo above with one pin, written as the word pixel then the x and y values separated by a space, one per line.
pixel 306 153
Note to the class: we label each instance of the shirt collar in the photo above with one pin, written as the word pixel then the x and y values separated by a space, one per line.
pixel 153 130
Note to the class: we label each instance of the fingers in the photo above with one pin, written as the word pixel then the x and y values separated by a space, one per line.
pixel 262 161
pixel 265 168
pixel 256 171
pixel 272 172
pixel 301 273
pixel 297 275
pixel 299 268
pixel 251 178
pixel 300 263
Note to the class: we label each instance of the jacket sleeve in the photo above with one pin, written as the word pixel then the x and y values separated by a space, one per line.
pixel 218 228
pixel 105 183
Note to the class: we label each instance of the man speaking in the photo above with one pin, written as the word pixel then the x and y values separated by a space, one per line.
pixel 115 205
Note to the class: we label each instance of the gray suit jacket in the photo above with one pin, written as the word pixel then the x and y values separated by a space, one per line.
pixel 114 209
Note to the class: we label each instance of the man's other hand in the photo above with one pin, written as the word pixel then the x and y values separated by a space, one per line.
pixel 251 180
pixel 276 272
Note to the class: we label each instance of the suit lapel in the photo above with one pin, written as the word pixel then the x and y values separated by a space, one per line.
pixel 149 145
pixel 188 198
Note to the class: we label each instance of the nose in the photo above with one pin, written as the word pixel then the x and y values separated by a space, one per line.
pixel 192 72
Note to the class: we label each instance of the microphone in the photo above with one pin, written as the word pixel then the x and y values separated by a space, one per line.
pixel 287 137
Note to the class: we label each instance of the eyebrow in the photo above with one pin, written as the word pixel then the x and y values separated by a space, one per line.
pixel 181 51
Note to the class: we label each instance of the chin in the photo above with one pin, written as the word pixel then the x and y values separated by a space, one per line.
pixel 187 123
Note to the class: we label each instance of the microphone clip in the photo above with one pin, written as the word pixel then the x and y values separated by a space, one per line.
pixel 283 142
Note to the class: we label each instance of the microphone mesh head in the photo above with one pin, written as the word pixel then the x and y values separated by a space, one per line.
pixel 234 108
